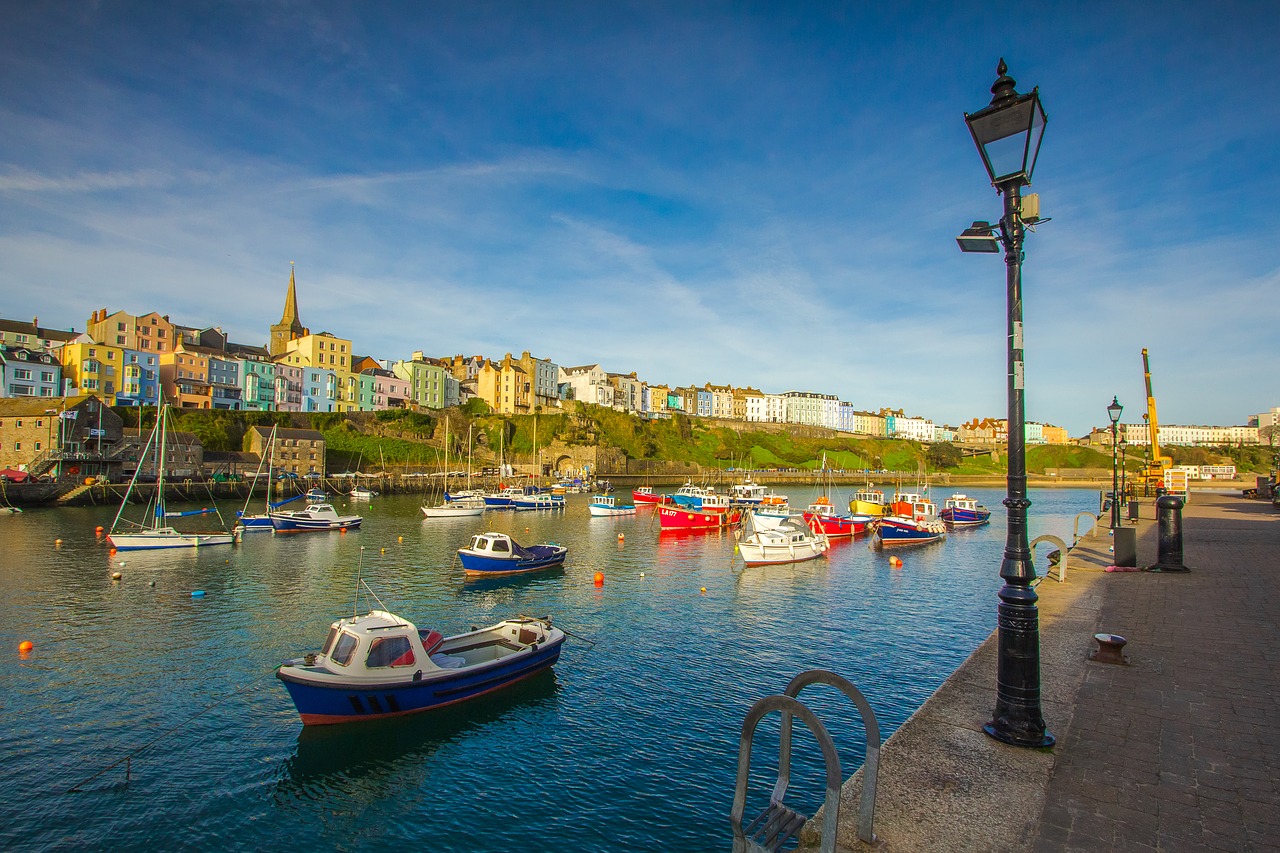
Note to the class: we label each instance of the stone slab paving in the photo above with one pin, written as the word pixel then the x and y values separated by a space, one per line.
pixel 1180 750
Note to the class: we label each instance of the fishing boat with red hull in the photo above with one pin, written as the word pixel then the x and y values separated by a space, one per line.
pixel 715 514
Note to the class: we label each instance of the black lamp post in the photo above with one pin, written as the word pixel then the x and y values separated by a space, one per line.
pixel 1008 132
pixel 1113 412
pixel 1124 491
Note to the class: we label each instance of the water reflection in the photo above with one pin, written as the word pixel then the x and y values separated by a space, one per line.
pixel 396 752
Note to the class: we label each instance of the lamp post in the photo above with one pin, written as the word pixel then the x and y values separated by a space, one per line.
pixel 1007 133
pixel 1113 412
pixel 1124 453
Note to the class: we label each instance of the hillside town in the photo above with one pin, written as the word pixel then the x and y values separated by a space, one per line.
pixel 130 360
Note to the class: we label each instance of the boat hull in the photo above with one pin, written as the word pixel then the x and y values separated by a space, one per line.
pixel 645 497
pixel 255 523
pixel 544 557
pixel 146 541
pixel 453 510
pixel 683 518
pixel 836 525
pixel 327 704
pixel 295 525
pixel 904 531
pixel 966 517
pixel 600 511
pixel 770 555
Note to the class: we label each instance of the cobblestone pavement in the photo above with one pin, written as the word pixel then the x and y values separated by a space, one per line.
pixel 1180 750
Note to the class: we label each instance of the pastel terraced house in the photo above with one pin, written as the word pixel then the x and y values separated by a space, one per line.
pixel 90 368
pixel 146 333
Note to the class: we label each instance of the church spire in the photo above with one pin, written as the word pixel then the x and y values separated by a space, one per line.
pixel 290 316
pixel 290 327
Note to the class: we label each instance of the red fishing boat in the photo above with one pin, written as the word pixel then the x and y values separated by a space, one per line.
pixel 645 495
pixel 714 515
pixel 822 517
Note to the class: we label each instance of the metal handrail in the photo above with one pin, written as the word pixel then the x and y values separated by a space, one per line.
pixel 777 824
pixel 870 765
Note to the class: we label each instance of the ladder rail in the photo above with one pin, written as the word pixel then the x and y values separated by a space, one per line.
pixel 777 821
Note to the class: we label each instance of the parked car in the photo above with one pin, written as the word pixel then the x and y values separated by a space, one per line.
pixel 286 475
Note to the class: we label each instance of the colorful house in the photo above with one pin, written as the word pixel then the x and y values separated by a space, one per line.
pixel 15 333
pixel 91 368
pixel 147 333
pixel 141 383
pixel 26 372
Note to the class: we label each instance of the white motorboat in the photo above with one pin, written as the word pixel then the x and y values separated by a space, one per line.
pixel 790 542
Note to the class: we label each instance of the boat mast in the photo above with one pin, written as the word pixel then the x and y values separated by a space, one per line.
pixel 163 428
pixel 134 479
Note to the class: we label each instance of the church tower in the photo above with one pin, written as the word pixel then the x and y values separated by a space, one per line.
pixel 290 327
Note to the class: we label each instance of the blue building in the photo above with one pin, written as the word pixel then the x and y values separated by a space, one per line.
pixel 26 372
pixel 140 379
pixel 319 389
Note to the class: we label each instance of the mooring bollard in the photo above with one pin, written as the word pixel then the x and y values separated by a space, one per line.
pixel 1169 541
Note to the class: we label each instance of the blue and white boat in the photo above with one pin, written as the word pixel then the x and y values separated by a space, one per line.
pixel 316 495
pixel 498 554
pixel 380 665
pixel 538 500
pixel 605 505
pixel 505 498
pixel 690 496
pixel 314 517
pixel 964 511
pixel 913 520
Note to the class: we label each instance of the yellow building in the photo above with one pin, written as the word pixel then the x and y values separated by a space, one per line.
pixel 1056 435
pixel 331 352
pixel 505 387
pixel 90 368
pixel 142 332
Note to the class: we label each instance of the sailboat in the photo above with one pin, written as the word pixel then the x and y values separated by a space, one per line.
pixel 153 531
pixel 262 523
pixel 454 508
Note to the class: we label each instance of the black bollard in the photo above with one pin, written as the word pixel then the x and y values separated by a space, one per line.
pixel 1169 541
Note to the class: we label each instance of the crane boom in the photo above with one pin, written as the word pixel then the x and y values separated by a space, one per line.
pixel 1159 464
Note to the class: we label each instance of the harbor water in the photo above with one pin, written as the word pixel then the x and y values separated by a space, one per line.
pixel 161 709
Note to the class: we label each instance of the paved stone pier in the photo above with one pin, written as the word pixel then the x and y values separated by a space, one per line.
pixel 1179 750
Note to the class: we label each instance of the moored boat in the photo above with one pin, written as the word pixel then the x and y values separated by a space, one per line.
pixel 792 542
pixel 316 517
pixel 690 496
pixel 539 500
pixel 504 498
pixel 606 505
pixel 645 495
pixel 381 665
pixel 362 493
pixel 457 509
pixel 822 515
pixel 152 532
pixel 869 501
pixel 900 530
pixel 498 554
pixel 747 492
pixel 673 518
pixel 964 511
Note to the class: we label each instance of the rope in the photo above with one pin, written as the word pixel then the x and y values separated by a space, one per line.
pixel 127 760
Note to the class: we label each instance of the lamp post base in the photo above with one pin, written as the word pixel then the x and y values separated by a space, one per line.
pixel 1030 738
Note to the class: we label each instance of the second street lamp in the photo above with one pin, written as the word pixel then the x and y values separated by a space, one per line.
pixel 1008 132
pixel 1113 412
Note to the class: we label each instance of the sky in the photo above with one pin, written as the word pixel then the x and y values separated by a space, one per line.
pixel 762 194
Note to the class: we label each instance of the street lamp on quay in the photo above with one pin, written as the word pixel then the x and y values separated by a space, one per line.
pixel 1113 412
pixel 1124 452
pixel 1007 133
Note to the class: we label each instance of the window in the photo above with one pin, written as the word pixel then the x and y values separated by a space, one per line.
pixel 18 423
pixel 21 374
pixel 37 445
pixel 345 649
pixel 92 353
pixel 159 332
pixel 120 339
pixel 390 651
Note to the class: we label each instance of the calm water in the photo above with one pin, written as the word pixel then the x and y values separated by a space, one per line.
pixel 629 743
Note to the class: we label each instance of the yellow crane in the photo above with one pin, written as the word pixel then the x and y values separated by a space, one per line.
pixel 1157 465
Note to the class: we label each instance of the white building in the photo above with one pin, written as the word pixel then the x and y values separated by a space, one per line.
pixel 767 409
pixel 588 384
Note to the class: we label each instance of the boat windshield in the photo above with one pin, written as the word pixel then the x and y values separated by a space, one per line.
pixel 345 649
pixel 499 545
pixel 328 641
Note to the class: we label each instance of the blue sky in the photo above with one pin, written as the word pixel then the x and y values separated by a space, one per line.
pixel 744 193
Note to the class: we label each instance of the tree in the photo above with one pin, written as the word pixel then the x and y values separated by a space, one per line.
pixel 943 455
pixel 475 407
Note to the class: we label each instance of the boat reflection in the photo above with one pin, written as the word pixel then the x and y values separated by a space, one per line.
pixel 370 756
pixel 481 583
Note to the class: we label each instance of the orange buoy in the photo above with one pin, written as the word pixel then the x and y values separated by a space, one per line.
pixel 111 551
pixel 896 562
pixel 703 590
pixel 342 530
pixel 599 579
pixel 115 576
pixel 399 538
pixel 25 646
pixel 621 537
pixel 98 530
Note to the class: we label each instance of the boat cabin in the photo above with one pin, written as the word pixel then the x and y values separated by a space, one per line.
pixel 914 506
pixel 603 500
pixel 497 546
pixel 379 644
pixel 960 502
